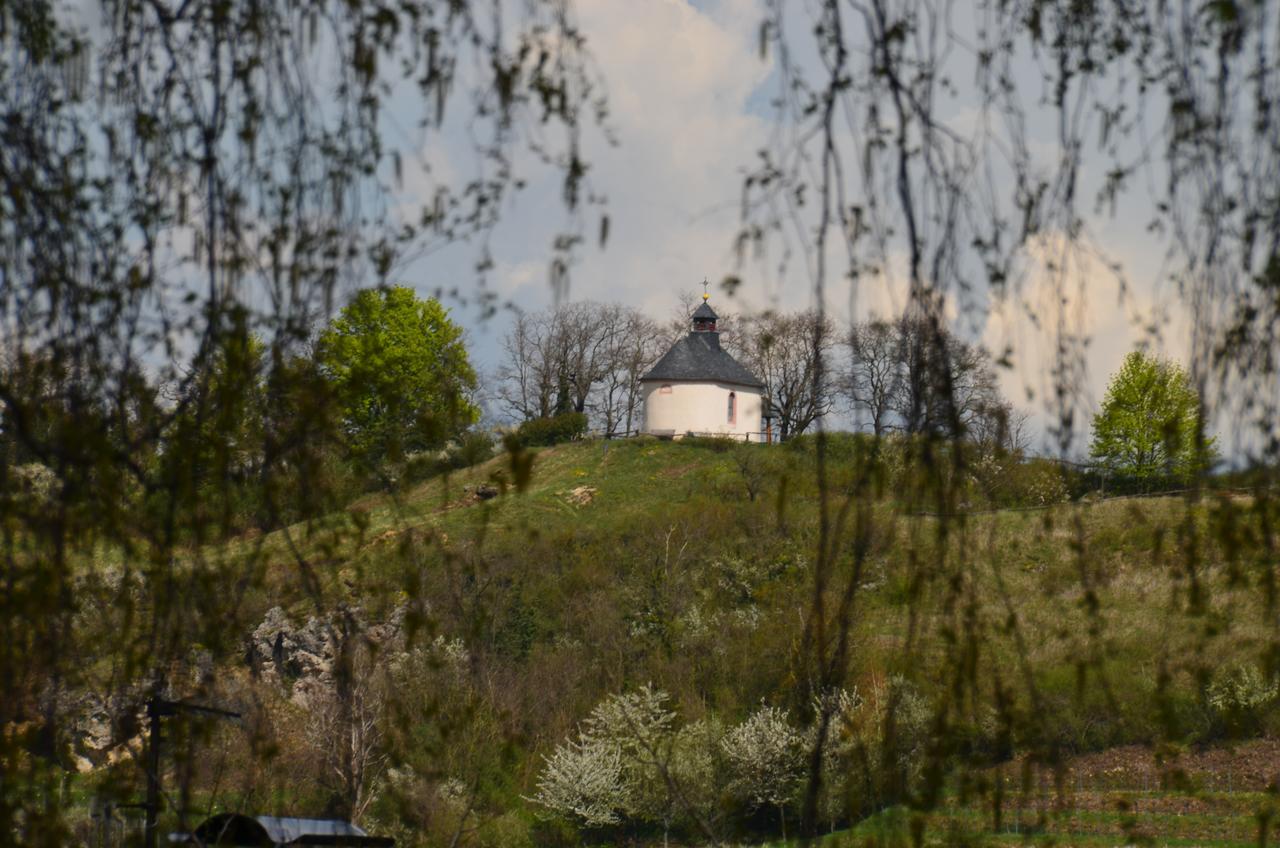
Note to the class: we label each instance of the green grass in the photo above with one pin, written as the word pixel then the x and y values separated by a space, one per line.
pixel 623 563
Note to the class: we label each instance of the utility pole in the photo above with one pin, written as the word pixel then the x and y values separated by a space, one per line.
pixel 158 708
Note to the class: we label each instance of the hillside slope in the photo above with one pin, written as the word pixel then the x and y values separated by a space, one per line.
pixel 478 622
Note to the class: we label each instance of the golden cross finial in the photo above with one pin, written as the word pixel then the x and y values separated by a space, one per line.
pixel 705 295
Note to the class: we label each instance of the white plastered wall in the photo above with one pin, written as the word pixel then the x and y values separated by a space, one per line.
pixel 695 407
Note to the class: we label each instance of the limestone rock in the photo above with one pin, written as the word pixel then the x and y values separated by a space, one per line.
pixel 302 658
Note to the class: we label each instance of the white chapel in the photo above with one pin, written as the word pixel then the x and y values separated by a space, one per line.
pixel 697 387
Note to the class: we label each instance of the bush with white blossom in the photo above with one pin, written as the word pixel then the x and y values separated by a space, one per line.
pixel 1239 694
pixel 615 767
pixel 585 780
pixel 765 755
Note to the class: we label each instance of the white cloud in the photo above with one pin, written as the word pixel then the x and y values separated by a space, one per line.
pixel 678 82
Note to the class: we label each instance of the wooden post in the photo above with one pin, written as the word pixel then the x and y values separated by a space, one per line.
pixel 158 708
pixel 155 707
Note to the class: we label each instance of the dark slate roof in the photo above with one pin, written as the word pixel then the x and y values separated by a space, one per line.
pixel 698 356
pixel 704 313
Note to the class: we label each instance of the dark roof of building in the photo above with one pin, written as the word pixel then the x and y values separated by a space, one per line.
pixel 241 830
pixel 699 357
pixel 704 313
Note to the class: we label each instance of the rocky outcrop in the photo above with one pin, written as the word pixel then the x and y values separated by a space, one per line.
pixel 301 658
pixel 103 728
pixel 279 650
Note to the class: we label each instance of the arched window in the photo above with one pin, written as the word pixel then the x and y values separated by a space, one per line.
pixel 733 407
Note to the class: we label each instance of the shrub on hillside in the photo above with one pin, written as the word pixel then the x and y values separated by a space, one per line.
pixel 1007 479
pixel 1097 480
pixel 469 449
pixel 472 448
pixel 614 769
pixel 511 830
pixel 542 432
pixel 765 755
pixel 715 444
pixel 755 466
pixel 845 449
pixel 1240 697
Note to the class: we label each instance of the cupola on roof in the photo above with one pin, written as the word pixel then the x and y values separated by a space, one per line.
pixel 698 357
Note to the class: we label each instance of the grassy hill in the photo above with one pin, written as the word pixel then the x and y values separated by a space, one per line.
pixel 490 611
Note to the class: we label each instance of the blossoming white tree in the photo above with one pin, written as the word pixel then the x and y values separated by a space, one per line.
pixel 841 707
pixel 584 780
pixel 696 770
pixel 766 758
pixel 619 766
pixel 639 723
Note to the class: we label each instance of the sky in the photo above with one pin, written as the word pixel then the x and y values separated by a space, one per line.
pixel 687 90
pixel 688 95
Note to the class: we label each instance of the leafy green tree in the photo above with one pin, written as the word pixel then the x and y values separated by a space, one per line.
pixel 1148 424
pixel 400 373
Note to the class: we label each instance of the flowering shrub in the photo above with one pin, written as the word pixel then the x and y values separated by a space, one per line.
pixel 584 780
pixel 1241 688
pixel 1012 480
pixel 765 755
pixel 843 708
pixel 614 769
pixel 1046 484
pixel 638 724
pixel 1239 696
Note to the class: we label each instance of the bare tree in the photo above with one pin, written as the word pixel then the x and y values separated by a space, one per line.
pixel 523 389
pixel 999 424
pixel 550 361
pixel 345 729
pixel 581 344
pixel 582 357
pixel 632 343
pixel 871 374
pixel 788 351
pixel 945 385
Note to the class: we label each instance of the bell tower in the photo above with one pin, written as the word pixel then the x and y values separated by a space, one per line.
pixel 704 317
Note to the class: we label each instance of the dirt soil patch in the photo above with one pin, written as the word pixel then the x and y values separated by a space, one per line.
pixel 1214 781
pixel 1246 767
pixel 581 495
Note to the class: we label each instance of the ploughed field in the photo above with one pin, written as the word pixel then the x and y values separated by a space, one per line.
pixel 1223 795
